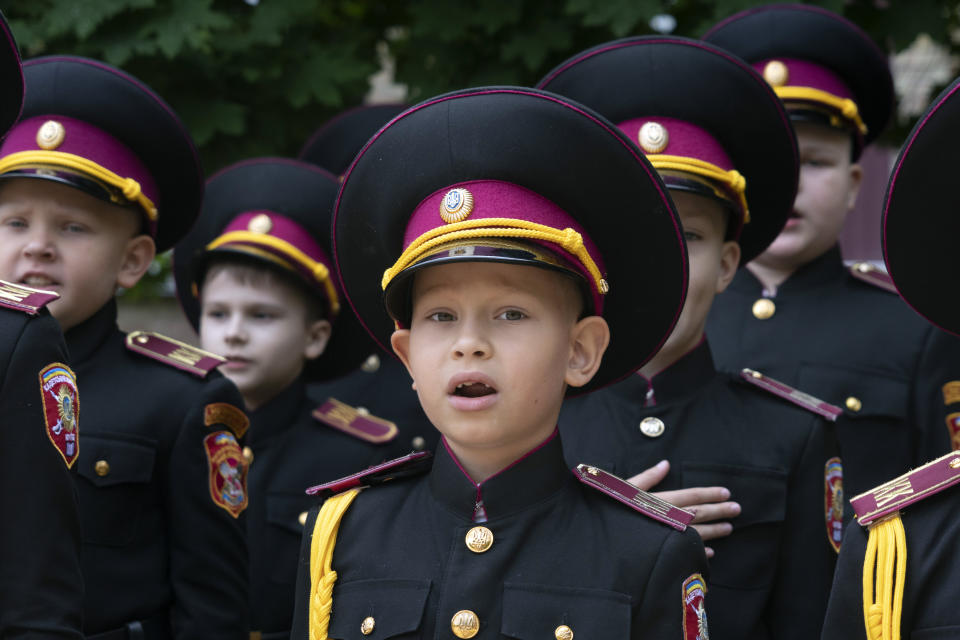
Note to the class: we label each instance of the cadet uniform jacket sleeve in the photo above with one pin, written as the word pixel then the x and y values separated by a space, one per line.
pixel 669 598
pixel 207 496
pixel 301 611
pixel 41 587
pixel 936 396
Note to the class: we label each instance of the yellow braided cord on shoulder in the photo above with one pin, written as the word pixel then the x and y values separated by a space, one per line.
pixel 731 179
pixel 322 576
pixel 884 575
pixel 846 106
pixel 128 186
pixel 568 239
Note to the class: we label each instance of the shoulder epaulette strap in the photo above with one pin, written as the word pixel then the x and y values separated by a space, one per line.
pixel 638 500
pixel 408 465
pixel 803 400
pixel 26 299
pixel 173 352
pixel 872 275
pixel 911 487
pixel 322 575
pixel 356 422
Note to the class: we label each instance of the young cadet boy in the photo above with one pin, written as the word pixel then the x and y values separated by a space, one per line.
pixel 897 573
pixel 97 175
pixel 380 385
pixel 41 587
pixel 796 312
pixel 723 145
pixel 489 222
pixel 255 277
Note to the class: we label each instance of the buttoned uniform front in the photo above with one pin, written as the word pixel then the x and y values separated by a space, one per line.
pixel 158 552
pixel 562 554
pixel 41 586
pixel 770 578
pixel 286 442
pixel 854 345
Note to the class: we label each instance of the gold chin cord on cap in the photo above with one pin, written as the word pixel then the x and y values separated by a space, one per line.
pixel 847 107
pixel 884 574
pixel 732 179
pixel 58 159
pixel 568 239
pixel 319 270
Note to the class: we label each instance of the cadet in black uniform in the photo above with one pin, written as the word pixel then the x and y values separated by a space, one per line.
pixel 380 385
pixel 98 174
pixel 796 312
pixel 255 278
pixel 494 225
pixel 724 146
pixel 41 587
pixel 906 547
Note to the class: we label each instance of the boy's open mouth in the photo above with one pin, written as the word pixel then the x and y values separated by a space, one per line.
pixel 473 390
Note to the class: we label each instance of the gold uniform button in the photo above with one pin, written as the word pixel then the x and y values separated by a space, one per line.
pixel 367 626
pixel 652 427
pixel 418 443
pixel 465 624
pixel 248 455
pixel 854 404
pixel 101 468
pixel 371 364
pixel 563 632
pixel 479 539
pixel 764 308
pixel 302 518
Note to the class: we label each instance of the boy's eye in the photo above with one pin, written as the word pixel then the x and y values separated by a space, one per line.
pixel 215 313
pixel 263 315
pixel 74 227
pixel 690 236
pixel 513 314
pixel 441 316
pixel 16 223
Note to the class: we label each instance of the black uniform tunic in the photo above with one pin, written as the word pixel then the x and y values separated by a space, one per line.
pixel 157 549
pixel 291 451
pixel 930 610
pixel 770 577
pixel 41 588
pixel 856 346
pixel 562 554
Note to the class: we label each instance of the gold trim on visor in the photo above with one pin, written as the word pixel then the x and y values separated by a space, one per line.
pixel 567 239
pixel 731 179
pixel 317 269
pixel 38 159
pixel 846 106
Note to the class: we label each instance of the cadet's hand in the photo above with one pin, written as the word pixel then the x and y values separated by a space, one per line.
pixel 708 503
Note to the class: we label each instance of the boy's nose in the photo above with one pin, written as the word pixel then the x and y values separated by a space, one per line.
pixel 471 343
pixel 39 246
pixel 235 333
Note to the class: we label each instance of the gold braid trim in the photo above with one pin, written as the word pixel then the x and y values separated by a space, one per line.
pixel 731 179
pixel 322 576
pixel 884 574
pixel 847 107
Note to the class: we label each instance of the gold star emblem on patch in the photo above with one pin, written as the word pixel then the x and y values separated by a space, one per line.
pixel 653 137
pixel 50 135
pixel 456 205
pixel 260 223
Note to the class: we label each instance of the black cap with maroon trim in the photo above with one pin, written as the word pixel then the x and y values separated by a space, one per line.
pixel 705 119
pixel 274 213
pixel 920 214
pixel 11 78
pixel 334 145
pixel 521 176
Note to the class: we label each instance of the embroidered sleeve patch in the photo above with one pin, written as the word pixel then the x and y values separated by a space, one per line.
pixel 694 609
pixel 224 413
pixel 61 409
pixel 951 392
pixel 953 426
pixel 833 501
pixel 228 473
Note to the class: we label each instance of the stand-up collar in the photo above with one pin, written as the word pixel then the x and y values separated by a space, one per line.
pixel 86 338
pixel 827 268
pixel 683 378
pixel 535 476
pixel 278 414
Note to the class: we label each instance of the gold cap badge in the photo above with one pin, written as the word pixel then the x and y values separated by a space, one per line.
pixel 776 73
pixel 50 135
pixel 653 137
pixel 456 205
pixel 260 223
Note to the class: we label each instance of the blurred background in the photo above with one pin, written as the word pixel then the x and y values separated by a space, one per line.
pixel 257 77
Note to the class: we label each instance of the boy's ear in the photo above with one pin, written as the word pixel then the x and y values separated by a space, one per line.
pixel 588 341
pixel 400 341
pixel 729 262
pixel 137 256
pixel 856 178
pixel 318 335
